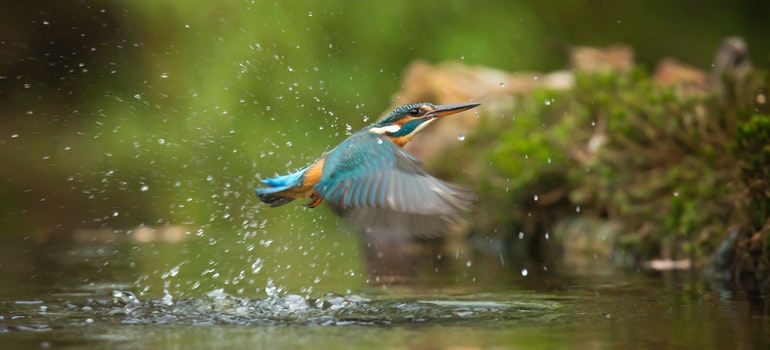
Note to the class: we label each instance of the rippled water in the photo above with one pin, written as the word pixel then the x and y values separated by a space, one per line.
pixel 91 296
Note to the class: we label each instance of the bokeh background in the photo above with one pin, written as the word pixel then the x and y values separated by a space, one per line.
pixel 154 120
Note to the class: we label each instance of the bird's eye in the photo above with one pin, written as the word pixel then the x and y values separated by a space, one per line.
pixel 413 112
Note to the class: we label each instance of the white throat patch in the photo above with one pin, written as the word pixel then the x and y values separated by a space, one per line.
pixel 383 129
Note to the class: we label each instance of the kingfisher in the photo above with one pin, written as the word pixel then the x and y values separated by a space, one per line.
pixel 373 183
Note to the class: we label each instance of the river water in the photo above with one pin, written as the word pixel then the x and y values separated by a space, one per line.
pixel 113 294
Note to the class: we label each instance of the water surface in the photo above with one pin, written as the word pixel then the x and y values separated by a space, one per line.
pixel 94 295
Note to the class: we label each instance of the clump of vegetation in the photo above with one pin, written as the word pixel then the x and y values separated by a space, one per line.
pixel 676 173
pixel 752 151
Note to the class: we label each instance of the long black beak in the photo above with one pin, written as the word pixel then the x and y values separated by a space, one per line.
pixel 445 110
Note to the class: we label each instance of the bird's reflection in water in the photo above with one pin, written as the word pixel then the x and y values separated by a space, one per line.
pixel 392 261
pixel 398 259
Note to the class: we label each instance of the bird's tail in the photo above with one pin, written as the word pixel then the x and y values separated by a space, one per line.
pixel 272 194
pixel 273 199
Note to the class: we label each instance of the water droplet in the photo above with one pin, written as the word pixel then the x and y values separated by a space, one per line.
pixel 461 136
pixel 257 266
pixel 469 263
pixel 174 271
pixel 547 102
pixel 476 114
pixel 521 235
pixel 310 14
pixel 676 193
pixel 577 209
pixel 524 272
pixel 379 140
pixel 535 198
pixel 535 77
pixel 144 188
pixel 163 75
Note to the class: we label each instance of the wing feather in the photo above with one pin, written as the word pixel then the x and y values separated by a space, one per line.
pixel 381 189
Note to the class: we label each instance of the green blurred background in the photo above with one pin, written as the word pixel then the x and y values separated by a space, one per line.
pixel 115 114
pixel 122 112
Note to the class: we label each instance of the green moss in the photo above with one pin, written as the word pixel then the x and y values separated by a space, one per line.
pixel 752 149
pixel 621 148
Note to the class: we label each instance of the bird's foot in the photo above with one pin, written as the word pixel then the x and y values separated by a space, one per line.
pixel 315 200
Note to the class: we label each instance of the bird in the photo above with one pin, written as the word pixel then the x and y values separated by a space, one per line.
pixel 373 183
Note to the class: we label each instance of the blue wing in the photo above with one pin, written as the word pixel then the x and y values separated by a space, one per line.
pixel 381 189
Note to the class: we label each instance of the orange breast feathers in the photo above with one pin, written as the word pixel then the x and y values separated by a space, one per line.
pixel 402 140
pixel 313 175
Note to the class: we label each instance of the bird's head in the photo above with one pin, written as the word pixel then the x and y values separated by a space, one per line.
pixel 405 121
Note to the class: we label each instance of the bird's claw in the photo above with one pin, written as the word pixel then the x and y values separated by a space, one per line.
pixel 315 200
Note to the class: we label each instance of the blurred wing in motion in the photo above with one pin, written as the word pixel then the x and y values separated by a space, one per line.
pixel 381 190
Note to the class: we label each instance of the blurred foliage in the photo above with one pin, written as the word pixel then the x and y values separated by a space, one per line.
pixel 662 170
pixel 752 147
pixel 675 171
pixel 169 111
pixel 115 114
pixel 132 112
